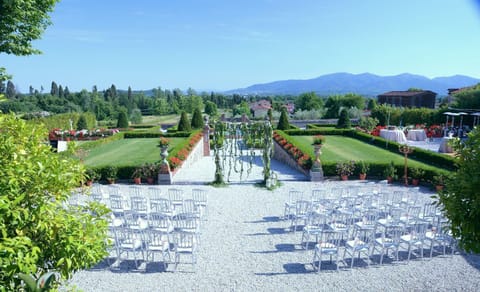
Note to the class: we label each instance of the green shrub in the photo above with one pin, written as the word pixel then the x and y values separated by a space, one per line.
pixel 197 119
pixel 183 124
pixel 283 123
pixel 122 122
pixel 40 231
pixel 344 120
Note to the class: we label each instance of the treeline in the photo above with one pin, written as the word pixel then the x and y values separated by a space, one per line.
pixel 109 103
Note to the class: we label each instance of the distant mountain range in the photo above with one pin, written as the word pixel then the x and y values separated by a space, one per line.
pixel 365 84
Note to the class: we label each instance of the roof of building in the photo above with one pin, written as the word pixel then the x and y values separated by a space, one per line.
pixel 406 93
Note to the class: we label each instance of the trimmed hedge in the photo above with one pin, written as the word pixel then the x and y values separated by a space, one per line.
pixel 429 157
pixel 320 131
pixel 92 144
pixel 133 135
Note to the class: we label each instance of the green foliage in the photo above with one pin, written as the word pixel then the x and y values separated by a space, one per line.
pixel 43 283
pixel 363 166
pixel 345 167
pixel 122 121
pixel 460 198
pixel 368 123
pixel 21 22
pixel 197 119
pixel 283 123
pixel 136 116
pixel 92 174
pixel 469 98
pixel 183 124
pixel 211 109
pixel 62 121
pixel 110 172
pixel 308 101
pixel 372 103
pixel 82 123
pixel 270 115
pixel 135 135
pixel 344 120
pixel 390 170
pixel 39 233
pixel 416 172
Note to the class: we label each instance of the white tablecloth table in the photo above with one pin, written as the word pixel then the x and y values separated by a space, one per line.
pixel 444 147
pixel 417 135
pixel 393 135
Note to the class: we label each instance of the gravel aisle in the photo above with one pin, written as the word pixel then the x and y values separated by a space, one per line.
pixel 245 246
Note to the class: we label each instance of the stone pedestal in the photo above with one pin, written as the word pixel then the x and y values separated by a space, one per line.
pixel 164 175
pixel 316 173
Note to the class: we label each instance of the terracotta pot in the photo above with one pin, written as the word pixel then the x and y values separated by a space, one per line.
pixel 110 181
pixel 344 177
pixel 389 179
pixel 137 180
pixel 439 187
pixel 415 181
pixel 89 183
pixel 150 180
pixel 363 176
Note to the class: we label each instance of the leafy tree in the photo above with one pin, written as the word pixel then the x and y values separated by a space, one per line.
pixel 460 197
pixel 136 116
pixel 344 120
pixel 368 123
pixel 372 103
pixel 197 119
pixel 211 108
pixel 21 22
pixel 54 89
pixel 82 123
pixel 10 90
pixel 333 105
pixel 469 98
pixel 66 92
pixel 308 101
pixel 122 120
pixel 241 109
pixel 40 231
pixel 283 123
pixel 183 124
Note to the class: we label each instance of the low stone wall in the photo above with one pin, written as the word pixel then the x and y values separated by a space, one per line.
pixel 195 155
pixel 281 155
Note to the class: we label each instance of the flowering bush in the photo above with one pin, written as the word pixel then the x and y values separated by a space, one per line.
pixel 179 155
pixel 345 167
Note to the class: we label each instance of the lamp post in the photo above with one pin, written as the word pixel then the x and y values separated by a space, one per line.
pixel 405 149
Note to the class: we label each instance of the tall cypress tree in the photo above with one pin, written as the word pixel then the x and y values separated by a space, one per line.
pixel 183 124
pixel 197 119
pixel 11 92
pixel 82 123
pixel 122 120
pixel 344 120
pixel 283 123
pixel 54 89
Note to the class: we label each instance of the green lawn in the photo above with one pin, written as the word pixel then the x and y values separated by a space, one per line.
pixel 338 148
pixel 127 152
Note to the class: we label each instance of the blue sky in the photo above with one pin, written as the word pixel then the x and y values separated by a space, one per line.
pixel 226 44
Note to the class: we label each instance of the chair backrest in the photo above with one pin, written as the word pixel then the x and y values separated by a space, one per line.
pixel 330 240
pixel 393 232
pixel 175 195
pixel 116 203
pixel 302 207
pixel 188 207
pixel 155 193
pixel 294 196
pixel 429 210
pixel 157 239
pixel 318 195
pixel 160 205
pixel 160 221
pixel 138 204
pixel 184 240
pixel 199 196
pixel 186 223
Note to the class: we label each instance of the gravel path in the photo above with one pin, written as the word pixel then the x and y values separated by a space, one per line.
pixel 245 246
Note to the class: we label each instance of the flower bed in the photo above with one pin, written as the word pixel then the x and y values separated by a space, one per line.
pixel 180 153
pixel 303 159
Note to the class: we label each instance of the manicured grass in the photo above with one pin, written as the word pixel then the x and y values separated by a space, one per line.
pixel 340 148
pixel 169 119
pixel 127 152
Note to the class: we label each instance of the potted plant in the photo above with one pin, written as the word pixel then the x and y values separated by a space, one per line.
pixel 91 175
pixel 137 175
pixel 345 169
pixel 163 142
pixel 363 168
pixel 439 181
pixel 416 174
pixel 318 140
pixel 111 174
pixel 150 170
pixel 390 172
